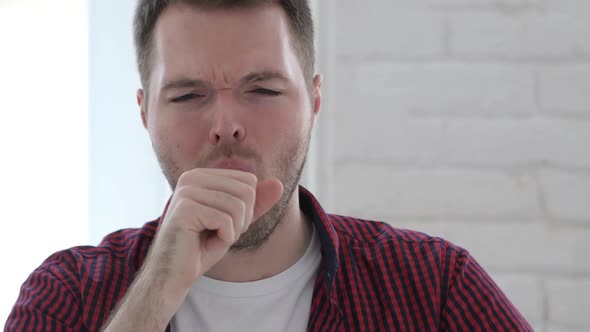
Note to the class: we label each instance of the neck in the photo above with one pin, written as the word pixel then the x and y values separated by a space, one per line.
pixel 287 244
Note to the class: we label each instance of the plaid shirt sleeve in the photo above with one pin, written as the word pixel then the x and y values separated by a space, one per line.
pixel 476 303
pixel 46 303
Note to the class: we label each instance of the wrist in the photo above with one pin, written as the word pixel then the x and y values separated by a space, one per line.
pixel 149 304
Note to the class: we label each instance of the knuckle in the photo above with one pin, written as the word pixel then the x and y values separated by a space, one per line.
pixel 250 192
pixel 226 219
pixel 241 206
pixel 223 217
pixel 251 178
pixel 180 201
pixel 189 176
pixel 183 203
pixel 181 191
pixel 183 178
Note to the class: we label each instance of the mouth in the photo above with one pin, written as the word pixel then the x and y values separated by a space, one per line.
pixel 235 164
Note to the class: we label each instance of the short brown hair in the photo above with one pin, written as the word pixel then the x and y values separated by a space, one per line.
pixel 298 13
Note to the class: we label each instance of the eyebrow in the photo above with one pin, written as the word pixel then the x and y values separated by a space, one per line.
pixel 253 77
pixel 183 83
pixel 263 76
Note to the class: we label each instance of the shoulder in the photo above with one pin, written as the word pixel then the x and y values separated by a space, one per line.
pixel 370 238
pixel 420 271
pixel 72 283
pixel 78 271
pixel 117 247
pixel 372 232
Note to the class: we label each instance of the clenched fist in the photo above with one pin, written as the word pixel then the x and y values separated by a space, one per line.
pixel 208 212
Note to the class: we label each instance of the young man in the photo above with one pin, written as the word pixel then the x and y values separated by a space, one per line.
pixel 229 101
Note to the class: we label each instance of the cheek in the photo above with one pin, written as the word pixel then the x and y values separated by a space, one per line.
pixel 275 131
pixel 180 138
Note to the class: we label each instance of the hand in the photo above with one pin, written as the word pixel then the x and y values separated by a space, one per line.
pixel 208 212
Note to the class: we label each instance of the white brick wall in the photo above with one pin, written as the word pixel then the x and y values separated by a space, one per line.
pixel 567 196
pixel 470 120
pixel 381 190
pixel 393 26
pixel 565 88
pixel 437 87
pixel 569 302
pixel 520 35
pixel 520 142
pixel 526 292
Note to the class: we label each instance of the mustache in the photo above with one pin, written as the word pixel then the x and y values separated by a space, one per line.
pixel 229 151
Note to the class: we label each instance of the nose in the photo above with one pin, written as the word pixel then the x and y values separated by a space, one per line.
pixel 227 128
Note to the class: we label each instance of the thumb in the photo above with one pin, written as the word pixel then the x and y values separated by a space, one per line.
pixel 268 193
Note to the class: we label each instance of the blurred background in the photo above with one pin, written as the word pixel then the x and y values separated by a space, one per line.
pixel 465 119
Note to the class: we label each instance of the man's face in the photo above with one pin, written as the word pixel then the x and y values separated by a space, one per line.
pixel 227 91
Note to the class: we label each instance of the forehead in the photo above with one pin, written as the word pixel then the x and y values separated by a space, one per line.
pixel 221 45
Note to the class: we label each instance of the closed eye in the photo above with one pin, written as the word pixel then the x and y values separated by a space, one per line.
pixel 266 92
pixel 186 97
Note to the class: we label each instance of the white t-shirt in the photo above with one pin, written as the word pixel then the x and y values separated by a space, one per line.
pixel 279 303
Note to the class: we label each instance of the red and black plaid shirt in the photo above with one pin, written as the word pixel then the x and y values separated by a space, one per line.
pixel 372 278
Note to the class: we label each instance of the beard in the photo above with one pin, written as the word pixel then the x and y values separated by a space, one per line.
pixel 287 167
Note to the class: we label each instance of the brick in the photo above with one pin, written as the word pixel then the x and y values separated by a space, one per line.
pixel 538 326
pixel 454 4
pixel 494 4
pixel 558 328
pixel 530 35
pixel 502 142
pixel 517 142
pixel 569 302
pixel 388 30
pixel 567 195
pixel 514 246
pixel 573 8
pixel 387 137
pixel 565 89
pixel 492 142
pixel 434 88
pixel 566 142
pixel 525 292
pixel 378 190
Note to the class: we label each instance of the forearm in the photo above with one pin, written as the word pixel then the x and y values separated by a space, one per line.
pixel 208 209
pixel 148 306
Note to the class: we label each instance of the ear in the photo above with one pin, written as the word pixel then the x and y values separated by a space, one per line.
pixel 317 95
pixel 142 106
